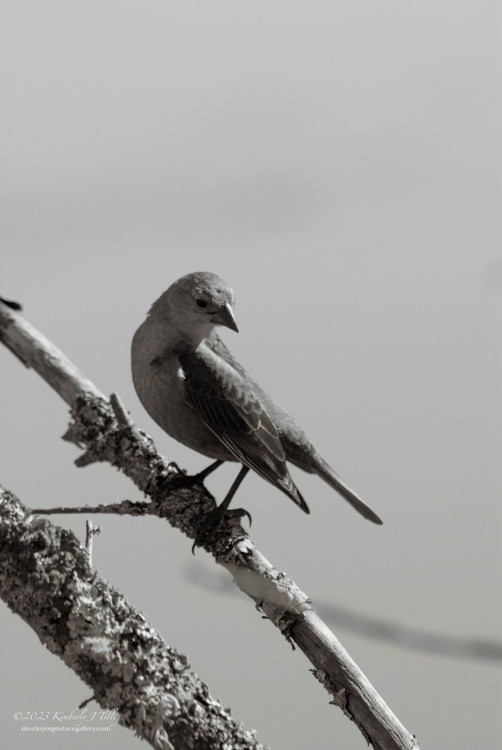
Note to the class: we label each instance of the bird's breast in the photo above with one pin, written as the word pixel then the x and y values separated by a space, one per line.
pixel 159 381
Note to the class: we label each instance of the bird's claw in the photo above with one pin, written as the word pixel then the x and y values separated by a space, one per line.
pixel 210 526
pixel 239 513
pixel 207 529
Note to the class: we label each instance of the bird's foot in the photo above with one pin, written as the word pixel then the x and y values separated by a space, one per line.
pixel 239 513
pixel 210 526
pixel 174 479
pixel 207 529
pixel 182 479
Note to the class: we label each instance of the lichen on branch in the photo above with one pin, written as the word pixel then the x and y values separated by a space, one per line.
pixel 46 578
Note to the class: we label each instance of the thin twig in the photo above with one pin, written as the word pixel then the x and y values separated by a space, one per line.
pixel 90 532
pixel 88 539
pixel 120 411
pixel 10 303
pixel 86 702
pixel 123 508
pixel 186 507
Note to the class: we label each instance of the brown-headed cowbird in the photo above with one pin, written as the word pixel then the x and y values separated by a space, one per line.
pixel 194 388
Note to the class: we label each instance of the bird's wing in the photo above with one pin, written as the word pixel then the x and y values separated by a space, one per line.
pixel 222 351
pixel 229 405
pixel 295 443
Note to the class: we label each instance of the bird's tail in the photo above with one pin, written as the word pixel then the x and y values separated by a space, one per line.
pixel 331 477
pixel 289 487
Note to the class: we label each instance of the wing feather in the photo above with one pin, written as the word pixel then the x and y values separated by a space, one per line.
pixel 231 407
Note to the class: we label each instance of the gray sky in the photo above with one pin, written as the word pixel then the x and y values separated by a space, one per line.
pixel 338 164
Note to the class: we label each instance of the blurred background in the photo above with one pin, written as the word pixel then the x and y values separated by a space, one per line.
pixel 338 164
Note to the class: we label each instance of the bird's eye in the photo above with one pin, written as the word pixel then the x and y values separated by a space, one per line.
pixel 201 302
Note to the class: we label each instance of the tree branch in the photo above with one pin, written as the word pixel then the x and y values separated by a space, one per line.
pixel 368 626
pixel 47 579
pixel 185 505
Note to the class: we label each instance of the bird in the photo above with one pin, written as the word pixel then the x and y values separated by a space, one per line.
pixel 198 393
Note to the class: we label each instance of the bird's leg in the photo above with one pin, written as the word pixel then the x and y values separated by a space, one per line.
pixel 223 507
pixel 213 522
pixel 187 480
pixel 207 471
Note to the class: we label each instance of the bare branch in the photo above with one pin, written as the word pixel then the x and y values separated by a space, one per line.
pixel 34 350
pixel 47 579
pixel 399 634
pixel 185 505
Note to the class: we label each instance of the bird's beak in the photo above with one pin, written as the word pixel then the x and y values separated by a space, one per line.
pixel 225 317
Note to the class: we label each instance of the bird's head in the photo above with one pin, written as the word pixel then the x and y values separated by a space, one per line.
pixel 197 303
